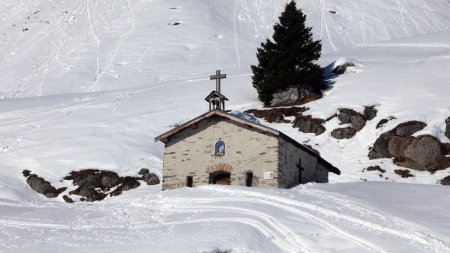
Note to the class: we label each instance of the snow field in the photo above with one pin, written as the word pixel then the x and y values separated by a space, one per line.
pixel 92 88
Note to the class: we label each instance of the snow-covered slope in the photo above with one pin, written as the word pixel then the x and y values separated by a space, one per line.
pixel 54 47
pixel 132 73
pixel 89 84
pixel 353 217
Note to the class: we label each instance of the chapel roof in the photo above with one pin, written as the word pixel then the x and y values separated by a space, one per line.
pixel 215 94
pixel 261 127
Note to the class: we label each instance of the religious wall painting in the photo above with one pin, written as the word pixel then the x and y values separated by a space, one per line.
pixel 219 149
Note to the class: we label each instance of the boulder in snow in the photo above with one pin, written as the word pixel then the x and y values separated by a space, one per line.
pixel 424 150
pixel 445 180
pixel 409 128
pixel 44 187
pixel 343 133
pixel 308 124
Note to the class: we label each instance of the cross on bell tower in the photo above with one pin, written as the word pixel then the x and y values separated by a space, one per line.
pixel 218 77
pixel 215 99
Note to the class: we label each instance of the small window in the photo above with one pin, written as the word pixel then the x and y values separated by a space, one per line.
pixel 249 179
pixel 189 181
pixel 220 148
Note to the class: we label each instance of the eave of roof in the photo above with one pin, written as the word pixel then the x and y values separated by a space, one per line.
pixel 216 113
pixel 217 94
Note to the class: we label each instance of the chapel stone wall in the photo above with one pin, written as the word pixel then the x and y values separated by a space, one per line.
pixel 293 161
pixel 191 153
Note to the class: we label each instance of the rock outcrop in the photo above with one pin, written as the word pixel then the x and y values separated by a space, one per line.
pixel 376 168
pixel 383 122
pixel 404 173
pixel 93 184
pixel 445 181
pixel 294 96
pixel 149 178
pixel 356 120
pixel 423 152
pixel 380 148
pixel 343 133
pixel 308 124
pixel 42 186
pixel 277 115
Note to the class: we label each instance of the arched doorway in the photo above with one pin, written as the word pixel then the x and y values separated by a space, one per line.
pixel 220 174
pixel 220 177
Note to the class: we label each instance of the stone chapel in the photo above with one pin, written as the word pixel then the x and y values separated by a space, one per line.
pixel 220 148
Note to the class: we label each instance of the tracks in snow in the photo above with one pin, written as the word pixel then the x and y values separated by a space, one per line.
pixel 236 46
pixel 95 84
pixel 342 212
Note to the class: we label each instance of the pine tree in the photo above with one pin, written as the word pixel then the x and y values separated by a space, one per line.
pixel 289 59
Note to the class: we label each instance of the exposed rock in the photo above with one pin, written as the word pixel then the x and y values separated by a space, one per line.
pixel 382 122
pixel 349 116
pixel 93 184
pixel 89 192
pixel 445 180
pixel 343 133
pixel 150 179
pixel 92 177
pixel 445 148
pixel 370 112
pixel 144 171
pixel 340 69
pixel 110 181
pixel 376 168
pixel 294 96
pixel 39 185
pixel 443 163
pixel 397 145
pixel 404 173
pixel 355 119
pixel 68 199
pixel 277 115
pixel 129 183
pixel 116 192
pixel 409 128
pixel 26 173
pixel 308 124
pixel 380 148
pixel 285 97
pixel 424 150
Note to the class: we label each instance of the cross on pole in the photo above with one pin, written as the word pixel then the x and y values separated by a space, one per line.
pixel 217 77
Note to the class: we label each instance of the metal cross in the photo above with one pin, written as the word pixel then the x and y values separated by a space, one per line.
pixel 217 77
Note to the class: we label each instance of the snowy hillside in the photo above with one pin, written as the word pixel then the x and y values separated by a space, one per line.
pixel 89 84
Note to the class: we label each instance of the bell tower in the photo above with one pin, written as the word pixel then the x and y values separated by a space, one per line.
pixel 215 99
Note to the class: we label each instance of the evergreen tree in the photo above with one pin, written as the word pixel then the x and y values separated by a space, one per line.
pixel 289 59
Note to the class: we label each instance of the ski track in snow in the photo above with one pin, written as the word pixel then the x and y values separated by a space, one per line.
pixel 236 47
pixel 95 84
pixel 322 17
pixel 309 211
pixel 265 213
